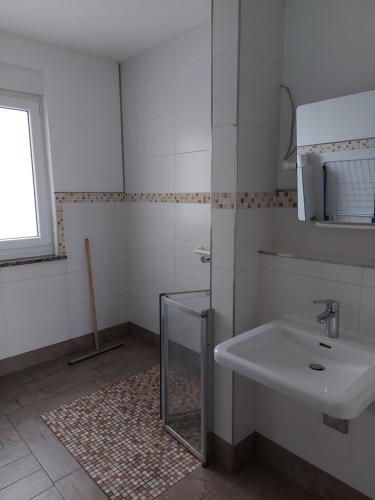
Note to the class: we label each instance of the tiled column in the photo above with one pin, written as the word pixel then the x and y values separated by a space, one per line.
pixel 260 56
pixel 224 94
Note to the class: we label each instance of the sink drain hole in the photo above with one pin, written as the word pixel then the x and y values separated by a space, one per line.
pixel 317 367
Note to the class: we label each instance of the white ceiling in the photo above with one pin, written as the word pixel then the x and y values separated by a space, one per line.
pixel 112 28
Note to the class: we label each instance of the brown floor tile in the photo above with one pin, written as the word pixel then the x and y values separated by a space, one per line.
pixel 204 483
pixel 9 406
pixel 31 398
pixel 51 453
pixel 4 423
pixel 18 469
pixel 27 488
pixel 11 392
pixel 70 374
pixel 35 410
pixel 112 374
pixel 15 379
pixel 52 367
pixel 51 494
pixel 79 486
pixel 257 483
pixel 12 446
pixel 291 492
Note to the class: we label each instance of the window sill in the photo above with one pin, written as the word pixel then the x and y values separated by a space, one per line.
pixel 30 260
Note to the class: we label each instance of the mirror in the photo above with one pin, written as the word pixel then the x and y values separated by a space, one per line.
pixel 336 161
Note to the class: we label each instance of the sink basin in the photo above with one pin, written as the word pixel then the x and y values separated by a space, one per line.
pixel 335 376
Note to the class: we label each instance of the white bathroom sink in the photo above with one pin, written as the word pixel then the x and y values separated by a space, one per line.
pixel 278 355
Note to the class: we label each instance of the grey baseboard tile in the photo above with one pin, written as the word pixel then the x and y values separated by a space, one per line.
pixel 146 335
pixel 315 481
pixel 59 350
pixel 233 458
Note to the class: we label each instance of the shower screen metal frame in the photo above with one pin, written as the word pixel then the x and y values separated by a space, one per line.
pixel 205 317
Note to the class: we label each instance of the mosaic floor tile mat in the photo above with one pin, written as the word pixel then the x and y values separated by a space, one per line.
pixel 117 437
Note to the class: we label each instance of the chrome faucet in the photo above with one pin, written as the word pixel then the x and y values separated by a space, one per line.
pixel 330 317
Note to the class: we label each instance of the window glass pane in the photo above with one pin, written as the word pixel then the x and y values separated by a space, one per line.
pixel 18 218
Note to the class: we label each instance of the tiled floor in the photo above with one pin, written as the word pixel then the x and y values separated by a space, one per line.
pixel 118 438
pixel 34 463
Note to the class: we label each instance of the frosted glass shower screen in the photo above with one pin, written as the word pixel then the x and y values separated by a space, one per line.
pixel 185 368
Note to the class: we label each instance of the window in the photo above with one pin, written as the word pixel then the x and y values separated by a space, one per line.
pixel 25 209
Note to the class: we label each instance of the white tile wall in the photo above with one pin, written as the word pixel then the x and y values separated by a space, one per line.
pixel 188 263
pixel 150 175
pixel 192 46
pixel 191 86
pixel 257 158
pixel 167 96
pixel 38 330
pixel 89 219
pixel 192 130
pixel 4 346
pixel 140 249
pixel 244 408
pixel 283 293
pixel 223 401
pixel 262 32
pixel 41 304
pixel 193 222
pixel 347 457
pixel 224 155
pixel 28 297
pixel 225 26
pixel 260 80
pixel 225 89
pixel 246 300
pixel 225 44
pixel 223 239
pixel 287 286
pixel 168 120
pixel 222 298
pixel 254 232
pixel 192 172
pixel 153 99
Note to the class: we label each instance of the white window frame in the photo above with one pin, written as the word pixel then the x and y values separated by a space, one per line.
pixel 43 244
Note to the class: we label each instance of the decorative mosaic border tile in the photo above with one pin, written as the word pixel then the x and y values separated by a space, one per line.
pixel 219 200
pixel 133 197
pixel 89 197
pixel 272 199
pixel 168 197
pixel 223 200
pixel 280 199
pixel 333 147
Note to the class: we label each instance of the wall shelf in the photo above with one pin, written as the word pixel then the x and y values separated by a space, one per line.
pixel 332 259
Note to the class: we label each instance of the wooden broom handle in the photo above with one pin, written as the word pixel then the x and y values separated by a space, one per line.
pixel 92 294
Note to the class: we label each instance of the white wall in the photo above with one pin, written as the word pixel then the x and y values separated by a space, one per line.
pixel 42 304
pixel 288 286
pixel 327 53
pixel 258 143
pixel 81 94
pixel 246 94
pixel 224 133
pixel 167 123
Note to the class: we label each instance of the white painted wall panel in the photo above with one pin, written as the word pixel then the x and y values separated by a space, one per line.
pixel 82 101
